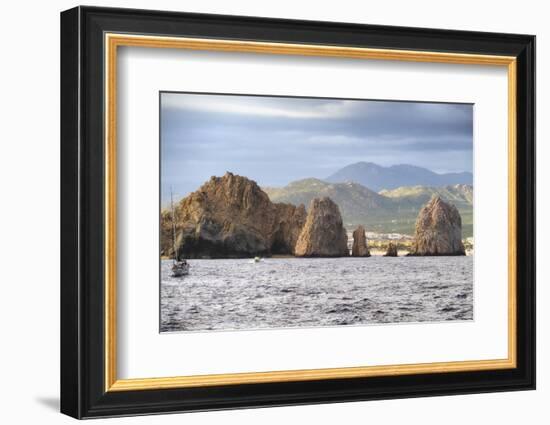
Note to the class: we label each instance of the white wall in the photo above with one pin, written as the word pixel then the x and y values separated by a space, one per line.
pixel 29 177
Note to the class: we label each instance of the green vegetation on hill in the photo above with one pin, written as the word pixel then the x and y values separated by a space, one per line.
pixel 461 195
pixel 393 211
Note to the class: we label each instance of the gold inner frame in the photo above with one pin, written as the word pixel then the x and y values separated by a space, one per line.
pixel 113 41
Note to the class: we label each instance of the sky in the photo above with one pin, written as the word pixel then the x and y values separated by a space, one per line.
pixel 276 140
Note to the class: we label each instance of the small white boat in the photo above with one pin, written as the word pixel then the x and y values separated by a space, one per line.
pixel 180 268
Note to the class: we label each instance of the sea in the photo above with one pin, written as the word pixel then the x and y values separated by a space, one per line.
pixel 240 294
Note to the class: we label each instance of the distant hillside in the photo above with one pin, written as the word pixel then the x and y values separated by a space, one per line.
pixel 377 177
pixel 461 195
pixel 350 197
pixel 387 212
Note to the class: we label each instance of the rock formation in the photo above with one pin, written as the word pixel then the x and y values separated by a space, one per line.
pixel 323 234
pixel 438 230
pixel 391 251
pixel 360 248
pixel 231 217
pixel 289 221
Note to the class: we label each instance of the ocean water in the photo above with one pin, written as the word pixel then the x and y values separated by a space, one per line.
pixel 298 292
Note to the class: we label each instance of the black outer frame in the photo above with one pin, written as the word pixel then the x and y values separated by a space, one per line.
pixel 82 207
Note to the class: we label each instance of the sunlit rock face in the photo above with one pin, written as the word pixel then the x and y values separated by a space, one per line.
pixel 438 230
pixel 323 234
pixel 232 217
pixel 360 247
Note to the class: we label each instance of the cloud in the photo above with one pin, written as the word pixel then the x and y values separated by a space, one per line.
pixel 274 107
pixel 336 140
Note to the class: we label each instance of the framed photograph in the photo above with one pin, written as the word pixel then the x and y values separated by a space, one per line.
pixel 261 212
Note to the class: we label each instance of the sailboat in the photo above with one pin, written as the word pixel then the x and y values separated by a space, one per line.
pixel 180 267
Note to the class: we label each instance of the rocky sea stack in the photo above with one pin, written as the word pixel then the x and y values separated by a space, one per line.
pixel 323 234
pixel 360 248
pixel 231 217
pixel 391 251
pixel 438 230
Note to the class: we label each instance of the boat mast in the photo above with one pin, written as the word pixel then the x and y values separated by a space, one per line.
pixel 173 226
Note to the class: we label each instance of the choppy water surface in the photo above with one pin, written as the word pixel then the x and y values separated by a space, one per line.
pixel 297 292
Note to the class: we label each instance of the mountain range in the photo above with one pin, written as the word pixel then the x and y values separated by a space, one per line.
pixel 389 211
pixel 377 177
